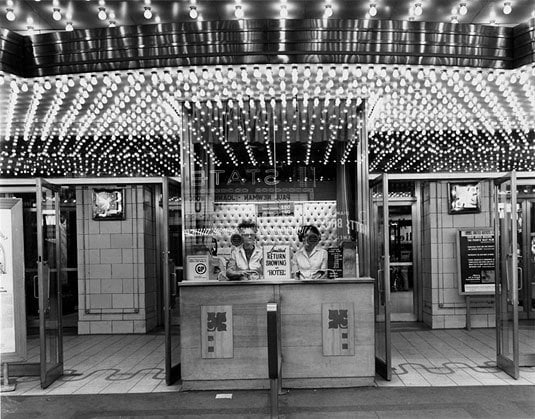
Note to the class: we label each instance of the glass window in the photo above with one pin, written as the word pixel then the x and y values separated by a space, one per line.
pixel 274 189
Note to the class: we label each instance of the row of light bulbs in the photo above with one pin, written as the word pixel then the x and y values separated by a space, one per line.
pixel 357 80
pixel 415 11
pixel 95 107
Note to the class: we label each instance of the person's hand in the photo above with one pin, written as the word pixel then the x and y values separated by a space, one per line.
pixel 318 275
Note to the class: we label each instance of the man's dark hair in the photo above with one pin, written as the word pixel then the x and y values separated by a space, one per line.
pixel 247 224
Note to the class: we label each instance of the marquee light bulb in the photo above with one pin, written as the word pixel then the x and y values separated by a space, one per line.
pixel 238 11
pixel 102 15
pixel 10 15
pixel 193 13
pixel 69 27
pixel 283 11
pixel 56 15
pixel 147 14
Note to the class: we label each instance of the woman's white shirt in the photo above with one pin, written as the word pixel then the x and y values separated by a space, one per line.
pixel 309 264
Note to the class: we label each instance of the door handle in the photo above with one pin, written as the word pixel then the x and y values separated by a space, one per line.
pixel 35 287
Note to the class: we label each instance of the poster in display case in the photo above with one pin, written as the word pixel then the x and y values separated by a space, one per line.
pixel 464 198
pixel 476 261
pixel 108 204
pixel 12 297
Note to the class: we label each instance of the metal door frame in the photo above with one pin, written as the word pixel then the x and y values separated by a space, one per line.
pixel 48 376
pixel 170 294
pixel 382 367
pixel 510 366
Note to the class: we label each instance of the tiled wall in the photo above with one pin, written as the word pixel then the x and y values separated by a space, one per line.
pixel 443 306
pixel 117 266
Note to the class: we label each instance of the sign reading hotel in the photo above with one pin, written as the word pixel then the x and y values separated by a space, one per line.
pixel 476 261
pixel 216 332
pixel 276 262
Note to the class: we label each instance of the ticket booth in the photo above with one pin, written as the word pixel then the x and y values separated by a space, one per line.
pixel 287 174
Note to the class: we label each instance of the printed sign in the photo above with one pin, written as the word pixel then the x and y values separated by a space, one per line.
pixel 338 329
pixel 276 262
pixel 275 209
pixel 198 267
pixel 476 261
pixel 12 302
pixel 335 262
pixel 7 321
pixel 216 332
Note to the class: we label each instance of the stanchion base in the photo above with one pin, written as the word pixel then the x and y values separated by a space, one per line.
pixel 6 388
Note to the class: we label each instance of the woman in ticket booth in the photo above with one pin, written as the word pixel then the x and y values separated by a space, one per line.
pixel 245 260
pixel 310 261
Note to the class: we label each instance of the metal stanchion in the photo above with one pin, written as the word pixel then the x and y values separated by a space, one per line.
pixel 6 385
pixel 273 356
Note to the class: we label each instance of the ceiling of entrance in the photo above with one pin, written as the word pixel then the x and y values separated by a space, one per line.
pixel 46 16
pixel 420 118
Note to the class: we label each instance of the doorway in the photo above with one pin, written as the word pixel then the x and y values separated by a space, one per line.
pixel 526 252
pixel 404 233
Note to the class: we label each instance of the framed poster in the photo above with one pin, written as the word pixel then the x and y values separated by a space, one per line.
pixel 476 261
pixel 464 198
pixel 108 204
pixel 12 297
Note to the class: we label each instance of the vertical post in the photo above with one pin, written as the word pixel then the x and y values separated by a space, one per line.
pixel 273 357
pixel 6 386
pixel 468 324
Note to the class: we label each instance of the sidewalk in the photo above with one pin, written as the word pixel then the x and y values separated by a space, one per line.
pixel 371 402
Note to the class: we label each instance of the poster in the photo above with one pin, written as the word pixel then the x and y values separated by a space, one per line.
pixel 277 262
pixel 7 298
pixel 275 209
pixel 197 267
pixel 334 263
pixel 12 301
pixel 476 261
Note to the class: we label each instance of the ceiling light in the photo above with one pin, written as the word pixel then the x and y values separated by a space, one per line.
pixel 507 9
pixel 102 13
pixel 10 15
pixel 69 27
pixel 418 9
pixel 147 14
pixel 238 11
pixel 373 9
pixel 283 11
pixel 193 13
pixel 30 30
pixel 56 15
pixel 463 9
pixel 454 19
pixel 112 24
pixel 328 12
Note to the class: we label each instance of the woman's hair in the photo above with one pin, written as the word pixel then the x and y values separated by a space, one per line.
pixel 247 224
pixel 307 228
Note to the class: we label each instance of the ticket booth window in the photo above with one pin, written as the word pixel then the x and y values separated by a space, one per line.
pixel 281 168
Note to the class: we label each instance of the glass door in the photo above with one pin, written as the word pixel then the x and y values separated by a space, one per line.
pixel 506 294
pixel 50 269
pixel 172 274
pixel 381 263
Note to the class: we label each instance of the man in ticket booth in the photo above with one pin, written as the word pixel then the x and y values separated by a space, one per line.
pixel 245 260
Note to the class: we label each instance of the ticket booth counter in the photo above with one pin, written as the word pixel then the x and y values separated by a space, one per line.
pixel 326 333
